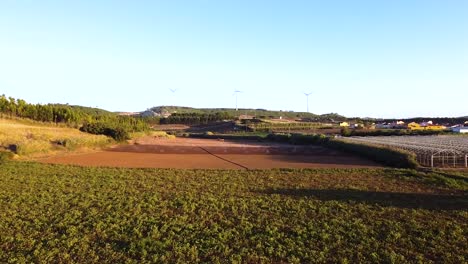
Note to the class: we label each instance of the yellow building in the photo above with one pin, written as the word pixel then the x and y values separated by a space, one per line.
pixel 344 124
pixel 416 126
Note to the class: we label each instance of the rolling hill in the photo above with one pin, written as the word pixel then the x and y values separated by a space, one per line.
pixel 165 110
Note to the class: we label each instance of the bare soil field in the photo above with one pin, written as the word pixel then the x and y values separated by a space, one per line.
pixel 186 153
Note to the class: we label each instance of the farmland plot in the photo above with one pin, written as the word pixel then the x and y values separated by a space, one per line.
pixel 70 214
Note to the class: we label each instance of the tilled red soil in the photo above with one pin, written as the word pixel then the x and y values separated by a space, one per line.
pixel 213 154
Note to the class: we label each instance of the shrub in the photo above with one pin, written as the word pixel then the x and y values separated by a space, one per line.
pixel 93 128
pixel 345 132
pixel 117 133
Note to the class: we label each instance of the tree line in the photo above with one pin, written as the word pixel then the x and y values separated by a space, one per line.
pixel 196 118
pixel 12 107
pixel 95 122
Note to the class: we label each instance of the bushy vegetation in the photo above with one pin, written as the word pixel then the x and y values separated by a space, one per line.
pixel 117 133
pixel 97 215
pixel 270 126
pixel 119 128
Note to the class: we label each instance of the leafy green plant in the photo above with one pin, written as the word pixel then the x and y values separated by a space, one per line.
pixel 51 213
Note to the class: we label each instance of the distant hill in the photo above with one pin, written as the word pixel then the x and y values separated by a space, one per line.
pixel 165 110
pixel 87 110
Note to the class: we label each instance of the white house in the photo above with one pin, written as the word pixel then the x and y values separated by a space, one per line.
pixel 460 129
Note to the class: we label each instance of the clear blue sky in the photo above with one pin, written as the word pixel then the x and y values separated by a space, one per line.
pixel 398 58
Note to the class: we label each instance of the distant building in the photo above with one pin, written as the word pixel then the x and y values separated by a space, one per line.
pixel 393 125
pixel 148 113
pixel 383 126
pixel 398 125
pixel 344 124
pixel 357 125
pixel 425 126
pixel 414 126
pixel 460 129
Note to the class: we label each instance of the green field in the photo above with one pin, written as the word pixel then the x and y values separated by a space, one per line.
pixel 52 213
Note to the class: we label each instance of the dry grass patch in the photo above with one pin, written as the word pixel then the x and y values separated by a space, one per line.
pixel 154 134
pixel 37 140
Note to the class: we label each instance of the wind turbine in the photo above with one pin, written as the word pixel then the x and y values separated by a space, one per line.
pixel 307 95
pixel 173 98
pixel 236 92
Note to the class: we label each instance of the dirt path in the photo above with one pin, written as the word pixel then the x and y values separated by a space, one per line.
pixel 213 154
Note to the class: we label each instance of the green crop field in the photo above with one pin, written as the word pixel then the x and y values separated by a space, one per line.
pixel 51 213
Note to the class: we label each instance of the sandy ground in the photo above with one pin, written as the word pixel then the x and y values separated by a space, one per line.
pixel 182 153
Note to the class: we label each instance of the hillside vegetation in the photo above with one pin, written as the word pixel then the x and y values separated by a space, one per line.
pixel 35 139
pixel 91 120
pixel 261 113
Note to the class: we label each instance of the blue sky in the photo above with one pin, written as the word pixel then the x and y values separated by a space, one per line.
pixel 398 58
